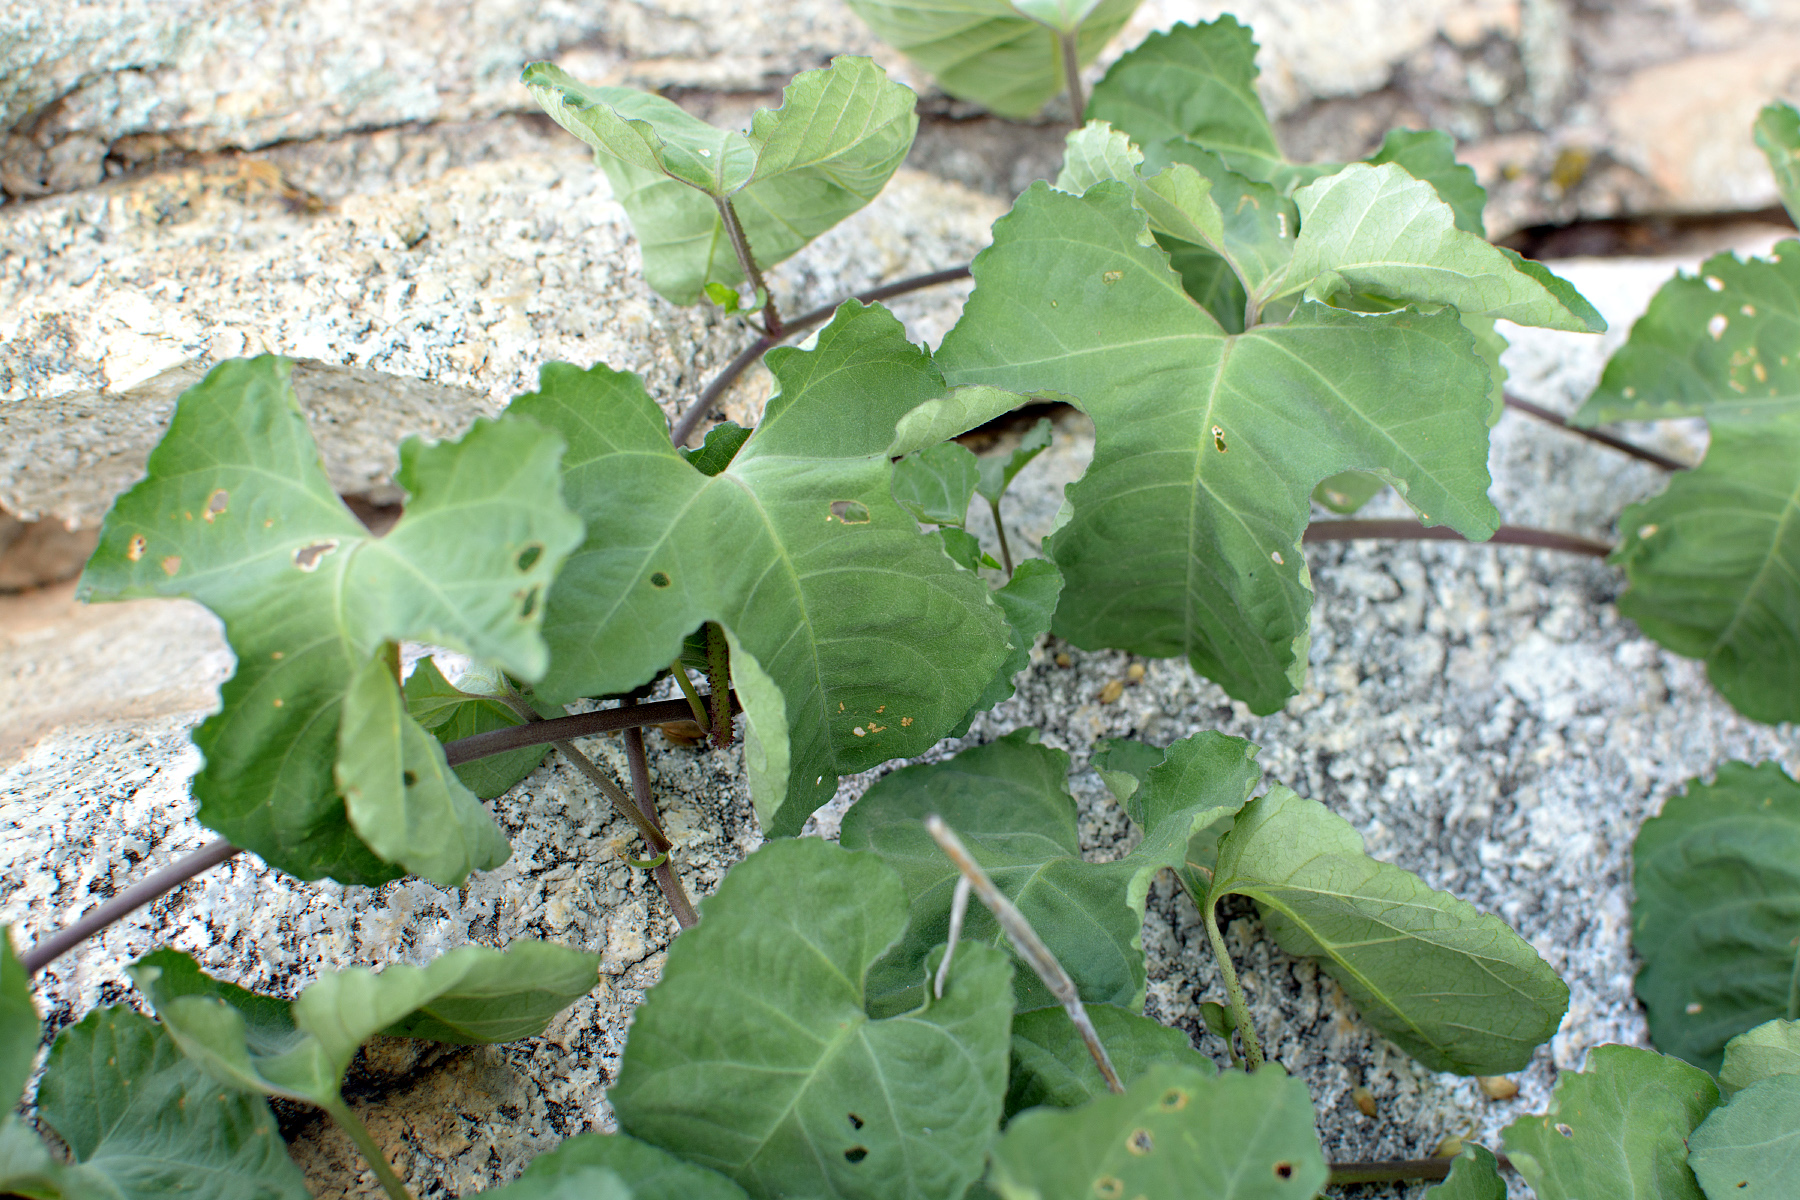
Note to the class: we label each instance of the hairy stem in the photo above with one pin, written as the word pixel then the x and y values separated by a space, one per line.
pixel 1595 435
pixel 688 693
pixel 542 732
pixel 1234 991
pixel 959 908
pixel 663 872
pixel 1396 1170
pixel 740 244
pixel 1071 56
pixel 1000 528
pixel 1412 531
pixel 352 1124
pixel 1030 947
pixel 702 408
pixel 718 678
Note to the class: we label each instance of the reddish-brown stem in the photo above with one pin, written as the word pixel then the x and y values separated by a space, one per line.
pixel 664 871
pixel 1595 435
pixel 1412 531
pixel 538 733
pixel 740 244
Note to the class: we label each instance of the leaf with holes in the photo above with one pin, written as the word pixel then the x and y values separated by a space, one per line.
pixel 142 1121
pixel 1713 565
pixel 238 514
pixel 1177 1131
pixel 1772 1048
pixel 857 639
pixel 823 1101
pixel 1716 914
pixel 1453 987
pixel 1475 1175
pixel 1184 534
pixel 1009 802
pixel 1749 1147
pixel 1721 344
pixel 1777 133
pixel 1004 56
pixel 936 484
pixel 1052 1066
pixel 20 1027
pixel 830 148
pixel 469 707
pixel 651 1173
pixel 1618 1128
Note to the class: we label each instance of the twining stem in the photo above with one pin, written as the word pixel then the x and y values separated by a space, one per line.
pixel 543 732
pixel 1234 991
pixel 693 697
pixel 664 871
pixel 1071 56
pixel 740 243
pixel 1595 435
pixel 1000 528
pixel 1413 531
pixel 352 1124
pixel 622 804
pixel 1030 947
pixel 959 908
pixel 718 678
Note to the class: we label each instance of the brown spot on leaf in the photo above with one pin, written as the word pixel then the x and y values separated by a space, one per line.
pixel 905 721
pixel 1140 1142
pixel 171 564
pixel 1284 1170
pixel 1173 1100
pixel 1111 277
pixel 1218 439
pixel 134 549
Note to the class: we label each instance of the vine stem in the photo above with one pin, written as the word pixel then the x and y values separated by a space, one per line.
pixel 1234 991
pixel 542 730
pixel 1413 531
pixel 622 804
pixel 740 244
pixel 1594 435
pixel 352 1124
pixel 690 695
pixel 1030 946
pixel 1000 528
pixel 664 871
pixel 1071 56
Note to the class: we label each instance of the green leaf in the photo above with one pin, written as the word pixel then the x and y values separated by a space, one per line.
pixel 1051 1064
pixel 1777 133
pixel 1348 491
pixel 1009 802
pixel 21 1029
pixel 1377 229
pixel 1430 155
pixel 650 1173
pixel 1772 1048
pixel 957 412
pixel 1177 1131
pixel 452 712
pixel 1453 987
pixel 998 472
pixel 1122 764
pixel 1259 224
pixel 1750 1146
pixel 148 1123
pixel 1029 601
pixel 1616 1129
pixel 830 148
pixel 755 1056
pixel 301 1050
pixel 1713 565
pixel 1184 534
pixel 28 1169
pixel 581 1183
pixel 1722 344
pixel 1475 1175
pixel 935 484
pixel 725 297
pixel 1716 914
pixel 1195 82
pixel 722 443
pixel 964 548
pixel 238 514
pixel 1003 56
pixel 867 642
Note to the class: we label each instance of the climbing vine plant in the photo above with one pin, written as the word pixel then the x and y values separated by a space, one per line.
pixel 1249 335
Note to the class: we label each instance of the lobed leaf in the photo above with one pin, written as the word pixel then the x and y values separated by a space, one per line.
pixel 1002 55
pixel 1772 1048
pixel 1453 987
pixel 1749 1147
pixel 237 513
pixel 755 1055
pixel 1617 1128
pixel 1052 1066
pixel 650 1173
pixel 837 138
pixel 1177 1131
pixel 1716 914
pixel 451 712
pixel 856 639
pixel 1184 535
pixel 1777 133
pixel 1475 1175
pixel 1713 565
pixel 21 1029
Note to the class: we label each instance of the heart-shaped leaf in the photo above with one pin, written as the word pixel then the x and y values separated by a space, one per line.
pixel 755 1055
pixel 238 514
pixel 1453 987
pixel 1051 1064
pixel 1772 1048
pixel 857 640
pixel 1716 914
pixel 1749 1147
pixel 650 1173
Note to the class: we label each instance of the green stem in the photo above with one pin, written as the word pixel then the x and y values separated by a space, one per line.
pixel 740 244
pixel 1000 528
pixel 1234 992
pixel 1071 56
pixel 718 678
pixel 693 697
pixel 352 1124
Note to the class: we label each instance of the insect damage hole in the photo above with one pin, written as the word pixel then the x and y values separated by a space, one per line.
pixel 530 605
pixel 215 505
pixel 659 580
pixel 1173 1100
pixel 307 557
pixel 409 779
pixel 1140 1142
pixel 528 557
pixel 134 549
pixel 856 1154
pixel 1284 1170
pixel 849 512
pixel 1109 1187
pixel 1564 1130
pixel 1218 438
pixel 856 1122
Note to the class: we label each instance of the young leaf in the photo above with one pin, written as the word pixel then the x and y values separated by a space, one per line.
pixel 1122 765
pixel 20 1027
pixel 755 1055
pixel 1720 344
pixel 1184 533
pixel 1051 1065
pixel 1475 1175
pixel 964 548
pixel 1453 987
pixel 1009 802
pixel 1003 56
pixel 1378 230
pixel 141 1121
pixel 1259 223
pixel 1777 132
pixel 650 1173
pixel 1029 601
pixel 238 514
pixel 1749 1147
pixel 722 443
pixel 830 148
pixel 451 712
pixel 1615 1129
pixel 1772 1048
pixel 1716 877
pixel 1430 155
pixel 1713 565
pixel 870 640
pixel 935 484
pixel 1177 1131
pixel 997 472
